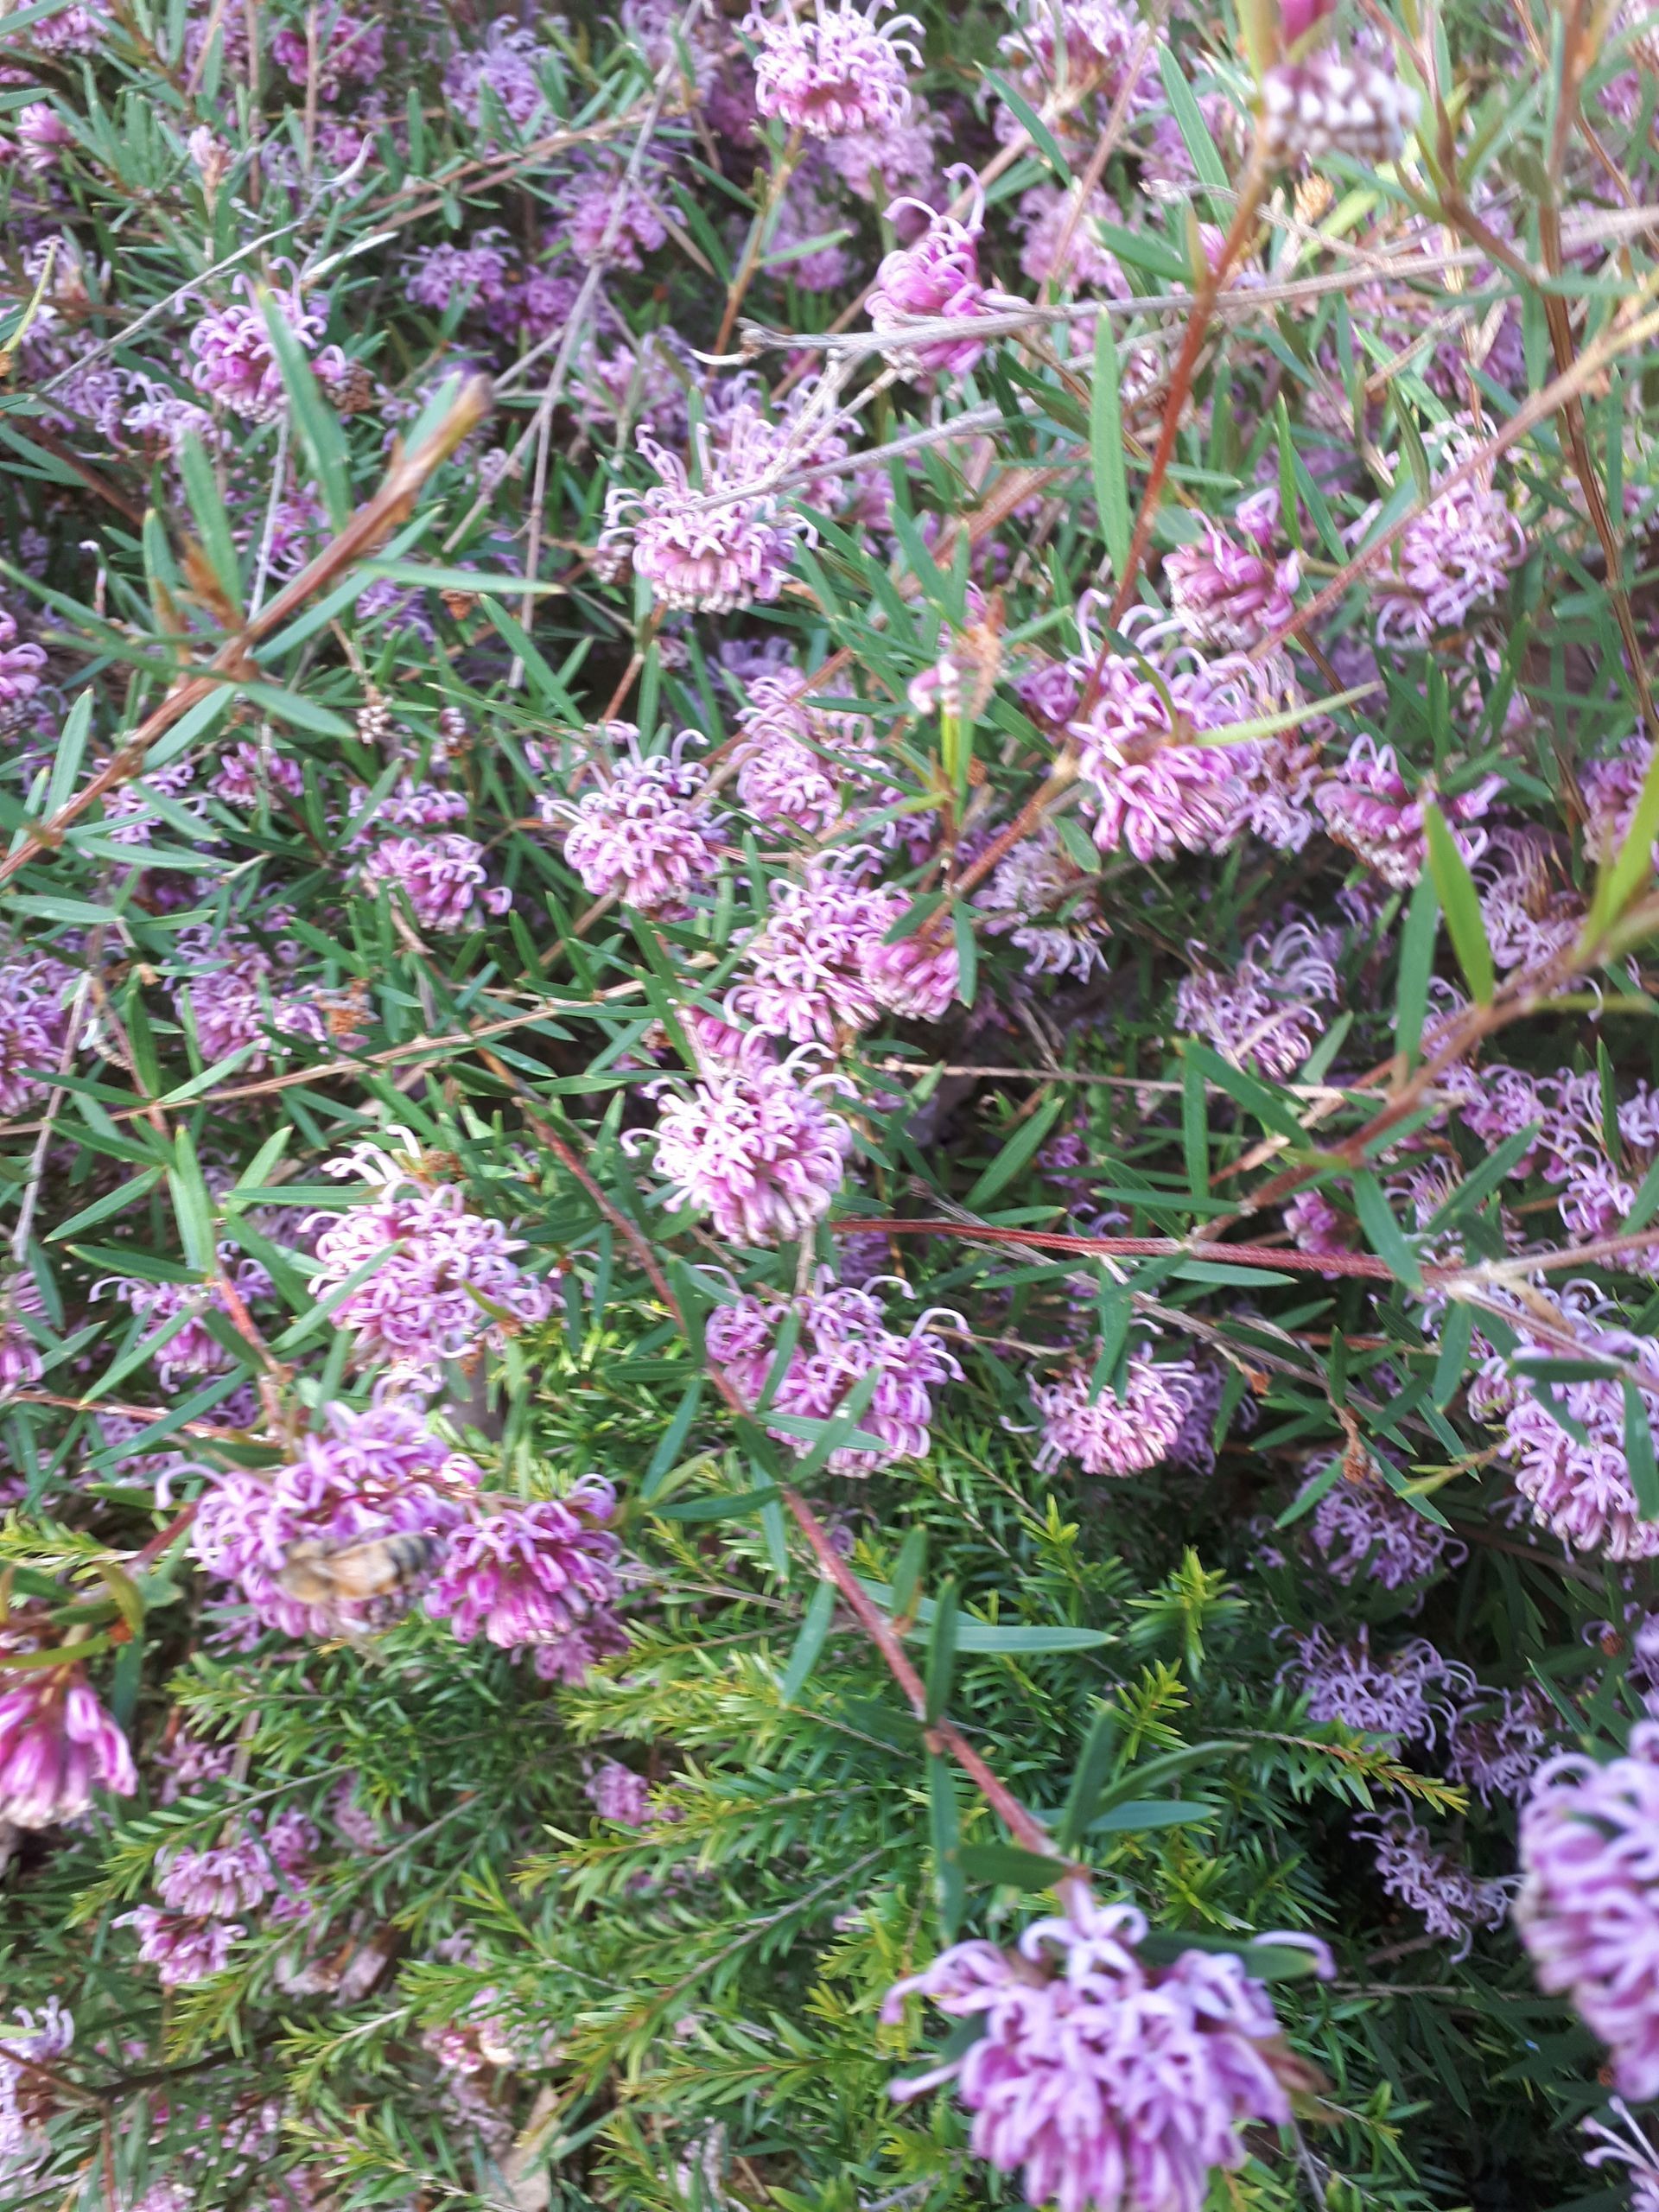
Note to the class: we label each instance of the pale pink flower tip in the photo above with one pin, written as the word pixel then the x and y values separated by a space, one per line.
pixel 1110 1435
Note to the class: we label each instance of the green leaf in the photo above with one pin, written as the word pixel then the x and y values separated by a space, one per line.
pixel 1264 1960
pixel 207 511
pixel 1138 1815
pixel 1016 1152
pixel 1384 1233
pixel 315 421
pixel 1416 965
pixel 1036 130
pixel 1638 1452
pixel 907 1572
pixel 1189 121
pixel 815 1630
pixel 945 1831
pixel 1006 1862
pixel 1106 448
pixel 1633 863
pixel 672 1440
pixel 1195 1129
pixel 1460 902
pixel 1457 1332
pixel 194 1206
pixel 1088 1777
pixel 942 1653
pixel 961 930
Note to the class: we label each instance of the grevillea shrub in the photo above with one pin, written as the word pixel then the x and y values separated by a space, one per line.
pixel 828 1107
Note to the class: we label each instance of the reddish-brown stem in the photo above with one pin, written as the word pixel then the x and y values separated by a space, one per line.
pixel 942 1735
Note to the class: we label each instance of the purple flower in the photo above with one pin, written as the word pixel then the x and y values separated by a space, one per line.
pixel 756 1151
pixel 481 267
pixel 1224 593
pixel 809 968
pixel 1454 556
pixel 1044 213
pixel 34 1023
pixel 1452 1903
pixel 442 878
pixel 539 1576
pixel 440 1267
pixel 1159 790
pixel 354 49
pixel 1100 38
pixel 1105 2081
pixel 1047 907
pixel 829 70
pixel 588 209
pixel 57 1745
pixel 250 771
pixel 1269 1013
pixel 1368 808
pixel 367 1477
pixel 1364 1530
pixel 20 673
pixel 717 546
pixel 1496 1752
pixel 234 362
pixel 43 134
pixel 786 758
pixel 620 1794
pixel 1315 1224
pixel 639 837
pixel 843 1335
pixel 1378 1697
pixel 20 1355
pixel 33 2040
pixel 192 1348
pixel 507 66
pixel 935 276
pixel 1107 1435
pixel 1633 2149
pixel 1588 1910
pixel 216 1882
pixel 180 1948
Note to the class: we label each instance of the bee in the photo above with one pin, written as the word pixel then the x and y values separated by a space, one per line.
pixel 318 1572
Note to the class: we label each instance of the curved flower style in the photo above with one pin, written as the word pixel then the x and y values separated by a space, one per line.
pixel 1588 1910
pixel 215 1882
pixel 1110 1435
pixel 442 878
pixel 369 1475
pixel 1224 593
pixel 1434 1884
pixel 1363 1530
pixel 57 1745
pixel 843 1337
pixel 539 1576
pixel 34 1025
pixel 182 1947
pixel 235 365
pixel 1101 2080
pixel 829 70
pixel 440 1269
pixel 638 838
pixel 755 1150
pixel 1268 1014
pixel 720 544
pixel 1368 808
pixel 935 277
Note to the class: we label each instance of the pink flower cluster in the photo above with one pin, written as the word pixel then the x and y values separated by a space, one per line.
pixel 540 1576
pixel 20 673
pixel 716 545
pixel 820 967
pixel 1368 808
pixel 1101 2081
pixel 437 1270
pixel 755 1150
pixel 365 1477
pixel 935 277
pixel 1452 1902
pixel 1107 1435
pixel 1364 1530
pixel 843 1335
pixel 1588 1910
pixel 1228 595
pixel 33 1026
pixel 57 1745
pixel 235 365
pixel 1268 1014
pixel 832 69
pixel 639 837
pixel 1409 1694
